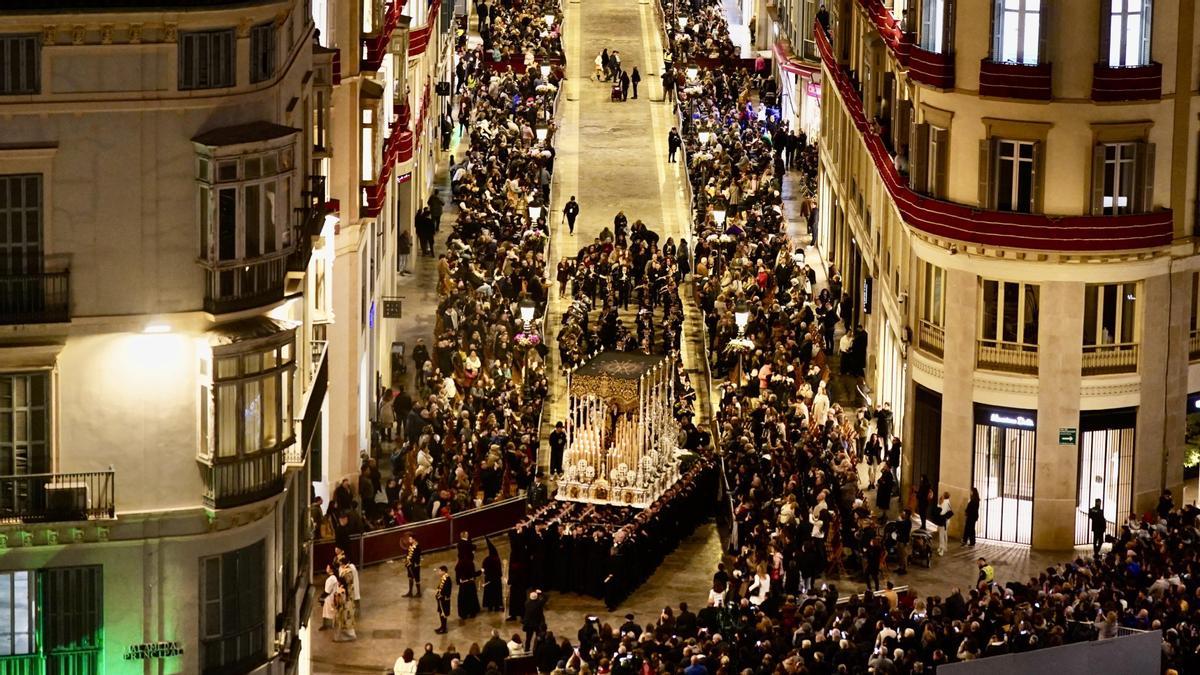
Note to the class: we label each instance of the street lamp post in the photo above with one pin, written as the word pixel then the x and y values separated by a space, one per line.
pixel 718 213
pixel 527 309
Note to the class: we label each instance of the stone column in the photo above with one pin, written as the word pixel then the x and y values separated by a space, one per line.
pixel 958 386
pixel 1178 347
pixel 1162 369
pixel 1060 358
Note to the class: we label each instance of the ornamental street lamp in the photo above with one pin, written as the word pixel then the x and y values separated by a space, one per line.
pixel 535 212
pixel 704 136
pixel 527 309
pixel 693 71
pixel 542 130
pixel 718 214
pixel 549 19
pixel 741 317
pixel 545 68
pixel 682 23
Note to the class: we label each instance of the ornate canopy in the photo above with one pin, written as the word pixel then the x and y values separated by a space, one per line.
pixel 614 377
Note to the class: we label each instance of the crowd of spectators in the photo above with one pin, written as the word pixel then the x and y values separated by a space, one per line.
pixel 519 27
pixel 467 432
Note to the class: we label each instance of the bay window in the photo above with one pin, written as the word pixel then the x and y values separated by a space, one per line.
pixel 1125 35
pixel 252 399
pixel 245 204
pixel 1110 343
pixel 1017 30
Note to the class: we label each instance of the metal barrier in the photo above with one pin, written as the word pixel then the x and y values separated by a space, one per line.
pixel 57 497
pixel 433 534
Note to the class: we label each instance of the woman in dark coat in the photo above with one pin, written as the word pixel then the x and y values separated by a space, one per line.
pixel 465 575
pixel 493 572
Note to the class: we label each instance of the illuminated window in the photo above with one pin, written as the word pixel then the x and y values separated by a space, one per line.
pixel 1017 31
pixel 49 612
pixel 1122 178
pixel 1109 314
pixel 1015 170
pixel 252 399
pixel 1127 40
pixel 936 25
pixel 1009 314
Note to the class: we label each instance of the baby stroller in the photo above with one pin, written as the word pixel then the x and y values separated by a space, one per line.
pixel 921 548
pixel 616 91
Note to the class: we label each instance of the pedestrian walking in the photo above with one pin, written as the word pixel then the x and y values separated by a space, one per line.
pixel 944 514
pixel 674 141
pixel 1099 527
pixel 403 250
pixel 624 85
pixel 634 78
pixel 668 84
pixel 571 212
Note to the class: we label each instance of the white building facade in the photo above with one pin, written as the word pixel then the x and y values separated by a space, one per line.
pixel 165 274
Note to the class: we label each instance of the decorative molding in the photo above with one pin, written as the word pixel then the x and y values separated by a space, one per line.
pixel 78 34
pixel 135 33
pixel 170 32
pixel 987 382
pixel 49 35
pixel 1099 390
pixel 243 28
pixel 106 34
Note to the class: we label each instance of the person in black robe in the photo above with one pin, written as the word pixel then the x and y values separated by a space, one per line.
pixel 465 575
pixel 518 571
pixel 493 593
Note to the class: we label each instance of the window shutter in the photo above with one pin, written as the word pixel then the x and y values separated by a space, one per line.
pixel 903 124
pixel 938 189
pixel 1098 151
pixel 1145 178
pixel 997 29
pixel 1035 188
pixel 1043 55
pixel 927 13
pixel 948 26
pixel 1147 31
pixel 985 173
pixel 918 158
pixel 1106 18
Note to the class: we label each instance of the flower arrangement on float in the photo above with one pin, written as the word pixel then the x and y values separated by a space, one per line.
pixel 740 345
pixel 530 339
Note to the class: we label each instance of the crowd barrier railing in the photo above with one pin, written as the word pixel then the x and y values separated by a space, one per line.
pixel 433 534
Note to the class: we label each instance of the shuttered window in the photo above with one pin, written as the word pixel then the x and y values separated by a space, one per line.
pixel 262 52
pixel 54 615
pixel 232 607
pixel 206 59
pixel 1122 178
pixel 1009 174
pixel 20 65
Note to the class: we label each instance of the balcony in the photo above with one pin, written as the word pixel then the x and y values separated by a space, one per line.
pixel 1110 359
pixel 992 229
pixel 1014 80
pixel 1126 83
pixel 931 338
pixel 1194 346
pixel 236 285
pixel 931 68
pixel 242 481
pixel 57 497
pixel 43 297
pixel 314 396
pixel 1009 357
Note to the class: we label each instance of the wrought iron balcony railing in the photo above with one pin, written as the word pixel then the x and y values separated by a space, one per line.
pixel 242 481
pixel 57 497
pixel 237 285
pixel 43 297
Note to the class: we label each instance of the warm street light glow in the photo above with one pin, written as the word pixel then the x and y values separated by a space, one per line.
pixel 719 214
pixel 692 71
pixel 549 19
pixel 741 316
pixel 704 136
pixel 535 212
pixel 542 131
pixel 527 310
pixel 545 70
pixel 157 327
pixel 682 22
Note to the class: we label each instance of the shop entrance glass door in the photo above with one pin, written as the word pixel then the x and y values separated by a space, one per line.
pixel 1105 473
pixel 1003 474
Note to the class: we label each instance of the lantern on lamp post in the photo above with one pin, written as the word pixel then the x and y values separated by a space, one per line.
pixel 542 131
pixel 704 136
pixel 535 212
pixel 693 71
pixel 549 19
pixel 545 68
pixel 527 309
